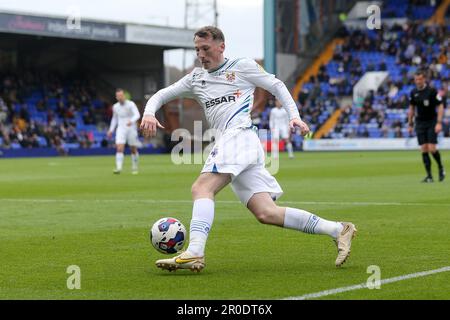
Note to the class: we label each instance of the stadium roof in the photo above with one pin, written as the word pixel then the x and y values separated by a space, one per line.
pixel 98 30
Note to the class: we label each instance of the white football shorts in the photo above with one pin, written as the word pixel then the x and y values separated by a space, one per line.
pixel 280 132
pixel 127 135
pixel 239 152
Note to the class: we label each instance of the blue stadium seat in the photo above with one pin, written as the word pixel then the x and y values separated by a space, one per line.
pixel 71 145
pixel 42 141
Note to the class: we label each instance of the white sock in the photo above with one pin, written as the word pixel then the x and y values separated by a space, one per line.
pixel 309 223
pixel 134 161
pixel 202 219
pixel 119 160
pixel 290 150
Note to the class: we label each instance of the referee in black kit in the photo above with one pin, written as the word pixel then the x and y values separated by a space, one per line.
pixel 430 111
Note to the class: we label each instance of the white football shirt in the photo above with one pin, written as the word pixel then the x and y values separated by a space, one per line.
pixel 278 118
pixel 226 94
pixel 122 114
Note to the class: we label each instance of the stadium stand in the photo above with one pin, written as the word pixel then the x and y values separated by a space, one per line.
pixel 57 84
pixel 48 110
pixel 41 109
pixel 411 9
pixel 399 49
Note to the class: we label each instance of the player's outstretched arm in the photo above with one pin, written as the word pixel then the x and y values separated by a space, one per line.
pixel 411 113
pixel 136 115
pixel 149 125
pixel 304 129
pixel 440 116
pixel 113 125
pixel 255 74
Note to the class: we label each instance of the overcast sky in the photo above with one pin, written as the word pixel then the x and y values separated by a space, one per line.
pixel 240 20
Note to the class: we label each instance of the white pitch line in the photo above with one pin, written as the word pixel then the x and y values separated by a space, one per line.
pixel 96 200
pixel 359 203
pixel 364 285
pixel 343 203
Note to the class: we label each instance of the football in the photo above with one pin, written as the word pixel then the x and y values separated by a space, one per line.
pixel 168 235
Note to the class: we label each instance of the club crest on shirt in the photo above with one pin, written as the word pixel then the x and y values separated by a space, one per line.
pixel 231 76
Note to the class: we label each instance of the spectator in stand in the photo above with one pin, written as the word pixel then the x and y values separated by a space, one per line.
pixel 302 96
pixel 89 117
pixel 70 135
pixel 3 111
pixel 85 139
pixel 5 137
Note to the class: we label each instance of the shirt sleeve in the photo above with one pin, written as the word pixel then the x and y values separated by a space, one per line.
pixel 437 97
pixel 181 88
pixel 136 115
pixel 114 121
pixel 411 99
pixel 255 74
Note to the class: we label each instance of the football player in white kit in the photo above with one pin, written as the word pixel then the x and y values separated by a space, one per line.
pixel 224 88
pixel 279 128
pixel 125 115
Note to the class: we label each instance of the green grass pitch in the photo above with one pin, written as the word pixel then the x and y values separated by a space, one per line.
pixel 57 212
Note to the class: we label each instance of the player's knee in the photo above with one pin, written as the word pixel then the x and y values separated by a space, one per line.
pixel 195 189
pixel 199 190
pixel 265 215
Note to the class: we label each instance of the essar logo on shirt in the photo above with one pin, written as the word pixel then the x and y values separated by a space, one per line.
pixel 217 101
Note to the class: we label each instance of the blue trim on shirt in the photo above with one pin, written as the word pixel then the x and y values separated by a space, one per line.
pixel 246 106
pixel 233 63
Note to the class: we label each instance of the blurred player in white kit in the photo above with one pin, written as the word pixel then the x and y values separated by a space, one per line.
pixel 279 128
pixel 125 115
